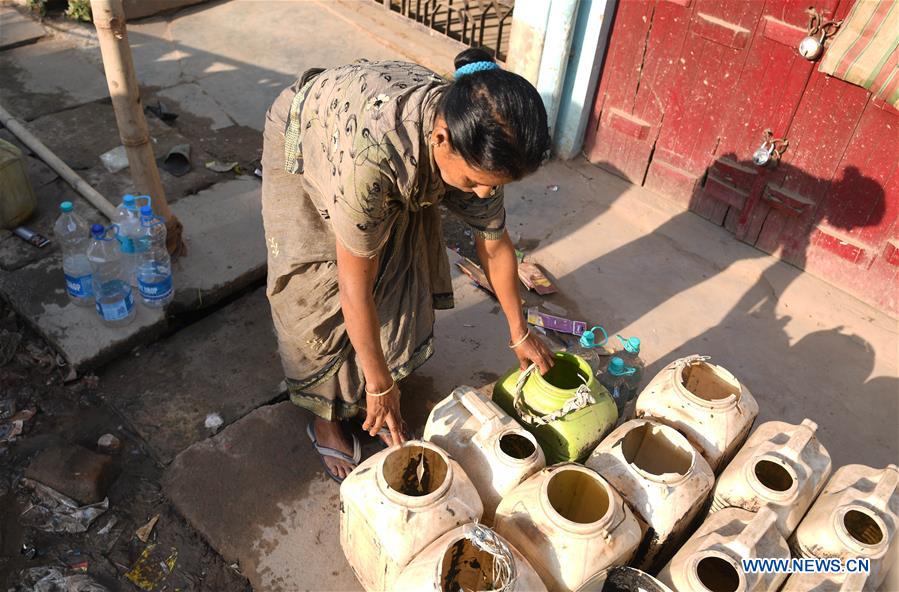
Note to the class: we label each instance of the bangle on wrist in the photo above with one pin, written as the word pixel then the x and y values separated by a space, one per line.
pixel 383 393
pixel 520 341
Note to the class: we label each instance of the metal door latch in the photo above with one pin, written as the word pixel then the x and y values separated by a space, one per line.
pixel 771 149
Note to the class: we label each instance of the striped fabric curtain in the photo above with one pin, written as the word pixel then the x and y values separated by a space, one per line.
pixel 865 50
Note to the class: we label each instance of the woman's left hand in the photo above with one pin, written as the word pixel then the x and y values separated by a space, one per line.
pixel 534 351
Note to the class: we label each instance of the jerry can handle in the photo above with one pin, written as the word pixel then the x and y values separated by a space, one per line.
pixel 582 397
pixel 479 409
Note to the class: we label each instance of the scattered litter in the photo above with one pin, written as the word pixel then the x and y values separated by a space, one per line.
pixel 213 421
pixel 519 255
pixel 534 279
pixel 77 562
pixel 474 271
pixel 9 343
pixel 554 308
pixel 258 172
pixel 108 527
pixel 108 443
pixel 29 236
pixel 177 161
pixel 223 167
pixel 115 160
pixel 51 511
pixel 13 427
pixel 51 579
pixel 152 567
pixel 560 324
pixel 143 533
pixel 160 111
pixel 553 188
pixel 29 552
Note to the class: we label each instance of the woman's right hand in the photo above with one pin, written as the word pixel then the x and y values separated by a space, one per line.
pixel 385 410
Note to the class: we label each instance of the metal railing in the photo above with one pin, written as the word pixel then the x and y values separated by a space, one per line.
pixel 476 23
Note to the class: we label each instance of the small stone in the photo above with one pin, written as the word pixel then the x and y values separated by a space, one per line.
pixel 108 443
pixel 72 470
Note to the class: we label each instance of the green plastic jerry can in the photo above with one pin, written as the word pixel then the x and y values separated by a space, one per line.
pixel 17 200
pixel 567 410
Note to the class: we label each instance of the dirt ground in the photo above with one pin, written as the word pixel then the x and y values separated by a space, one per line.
pixel 73 413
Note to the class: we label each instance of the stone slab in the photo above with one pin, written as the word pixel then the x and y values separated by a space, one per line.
pixel 191 98
pixel 225 243
pixel 17 29
pixel 226 255
pixel 79 136
pixel 50 76
pixel 226 363
pixel 257 493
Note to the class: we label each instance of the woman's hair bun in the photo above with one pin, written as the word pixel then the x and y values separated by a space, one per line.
pixel 472 55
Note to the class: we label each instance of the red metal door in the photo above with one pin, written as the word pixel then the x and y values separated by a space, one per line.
pixel 683 114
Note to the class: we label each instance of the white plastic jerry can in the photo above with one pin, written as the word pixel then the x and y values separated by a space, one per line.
pixel 494 450
pixel 471 557
pixel 704 402
pixel 711 559
pixel 398 502
pixel 782 466
pixel 661 476
pixel 571 526
pixel 854 517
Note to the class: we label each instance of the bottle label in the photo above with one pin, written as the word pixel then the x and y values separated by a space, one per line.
pixel 127 244
pixel 155 290
pixel 116 311
pixel 79 287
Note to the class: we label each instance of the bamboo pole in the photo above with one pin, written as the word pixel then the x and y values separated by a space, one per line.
pixel 109 18
pixel 55 163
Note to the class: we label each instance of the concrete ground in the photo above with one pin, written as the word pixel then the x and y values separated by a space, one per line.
pixel 620 256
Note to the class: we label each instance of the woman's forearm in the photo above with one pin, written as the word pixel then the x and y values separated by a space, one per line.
pixel 499 262
pixel 355 276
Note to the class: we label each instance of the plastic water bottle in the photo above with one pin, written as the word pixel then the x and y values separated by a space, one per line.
pixel 112 291
pixel 618 378
pixel 74 237
pixel 154 268
pixel 127 221
pixel 588 348
pixel 630 353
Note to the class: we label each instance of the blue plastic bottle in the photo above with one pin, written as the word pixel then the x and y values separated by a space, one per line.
pixel 112 290
pixel 154 268
pixel 618 378
pixel 630 353
pixel 588 348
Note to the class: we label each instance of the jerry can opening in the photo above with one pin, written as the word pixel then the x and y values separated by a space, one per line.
pixel 862 527
pixel 566 373
pixel 577 496
pixel 655 450
pixel 773 475
pixel 465 567
pixel 516 446
pixel 717 575
pixel 703 381
pixel 414 470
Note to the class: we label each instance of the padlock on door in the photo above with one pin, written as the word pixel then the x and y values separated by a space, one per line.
pixel 771 149
pixel 811 48
pixel 812 45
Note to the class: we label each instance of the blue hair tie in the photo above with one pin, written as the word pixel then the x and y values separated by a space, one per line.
pixel 475 67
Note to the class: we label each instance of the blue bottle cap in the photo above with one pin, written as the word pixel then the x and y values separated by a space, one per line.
pixel 617 367
pixel 632 345
pixel 128 200
pixel 98 230
pixel 146 211
pixel 588 337
pixel 66 207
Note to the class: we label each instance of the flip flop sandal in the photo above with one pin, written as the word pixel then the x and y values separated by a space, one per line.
pixel 324 451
